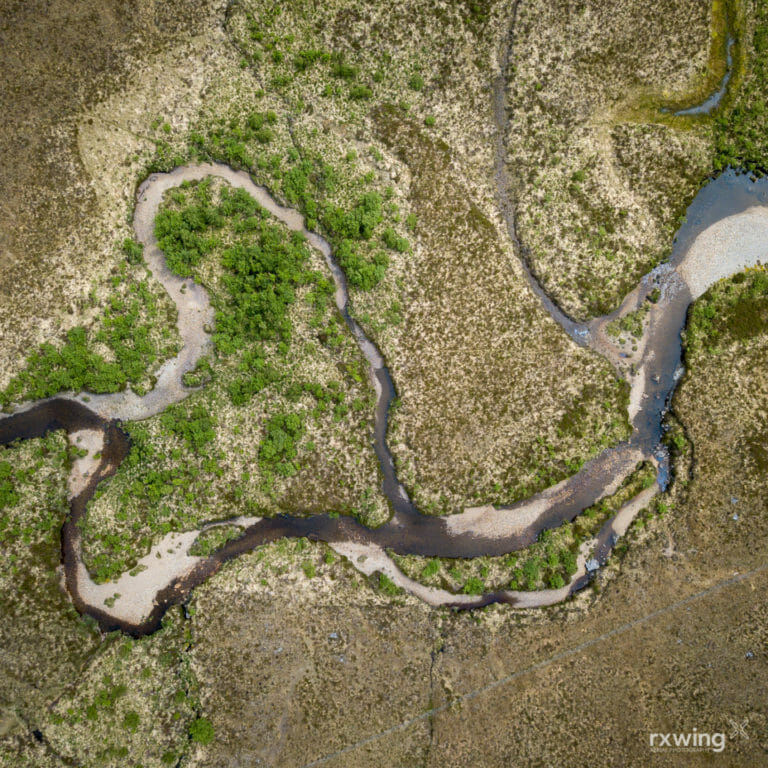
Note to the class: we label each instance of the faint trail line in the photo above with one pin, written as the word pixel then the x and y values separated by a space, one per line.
pixel 620 630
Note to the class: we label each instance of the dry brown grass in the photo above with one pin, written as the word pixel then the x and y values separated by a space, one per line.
pixel 598 189
pixel 494 398
pixel 58 63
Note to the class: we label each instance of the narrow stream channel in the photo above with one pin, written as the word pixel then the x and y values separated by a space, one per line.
pixel 708 105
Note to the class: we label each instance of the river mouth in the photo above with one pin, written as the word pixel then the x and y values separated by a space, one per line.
pixel 408 532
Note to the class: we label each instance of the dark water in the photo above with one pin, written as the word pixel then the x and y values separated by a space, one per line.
pixel 48 416
pixel 728 194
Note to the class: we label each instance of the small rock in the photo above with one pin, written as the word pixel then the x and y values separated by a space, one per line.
pixel 750 655
pixel 734 500
pixel 334 636
pixel 592 565
pixel 735 516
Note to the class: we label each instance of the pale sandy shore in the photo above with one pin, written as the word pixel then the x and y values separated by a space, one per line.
pixel 131 598
pixel 504 522
pixel 730 245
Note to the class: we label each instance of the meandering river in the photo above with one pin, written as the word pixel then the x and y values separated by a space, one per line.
pixel 726 230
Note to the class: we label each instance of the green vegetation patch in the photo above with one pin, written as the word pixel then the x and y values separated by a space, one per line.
pixel 283 421
pixel 214 538
pixel 360 232
pixel 632 323
pixel 167 479
pixel 741 133
pixel 25 471
pixel 44 640
pixel 278 450
pixel 201 731
pixel 135 704
pixel 263 266
pixel 132 334
pixel 734 309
